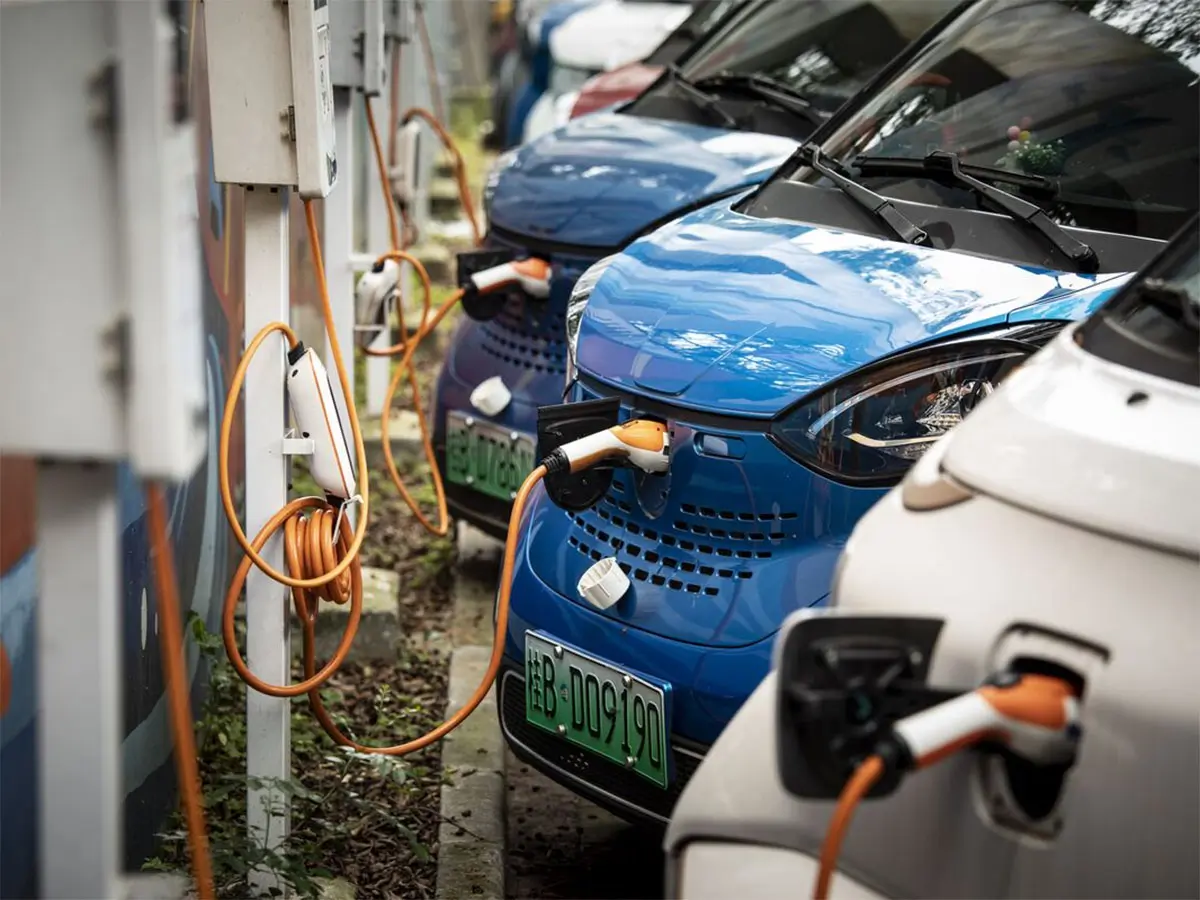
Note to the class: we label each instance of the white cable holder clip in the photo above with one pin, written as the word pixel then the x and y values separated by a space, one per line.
pixel 342 514
pixel 294 446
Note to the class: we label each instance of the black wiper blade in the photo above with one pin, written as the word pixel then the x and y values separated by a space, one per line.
pixel 917 165
pixel 945 164
pixel 876 204
pixel 1170 299
pixel 703 100
pixel 774 93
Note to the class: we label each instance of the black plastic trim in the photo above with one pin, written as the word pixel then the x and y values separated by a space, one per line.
pixel 974 232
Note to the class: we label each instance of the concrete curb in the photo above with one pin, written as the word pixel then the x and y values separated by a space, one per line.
pixel 404 432
pixel 471 839
pixel 378 631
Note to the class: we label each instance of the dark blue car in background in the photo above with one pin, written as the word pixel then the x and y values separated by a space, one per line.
pixel 717 123
pixel 806 342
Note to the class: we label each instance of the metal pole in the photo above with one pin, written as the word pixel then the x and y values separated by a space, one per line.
pixel 79 680
pixel 339 242
pixel 378 237
pixel 268 644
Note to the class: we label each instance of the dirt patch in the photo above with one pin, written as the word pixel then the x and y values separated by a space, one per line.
pixel 561 847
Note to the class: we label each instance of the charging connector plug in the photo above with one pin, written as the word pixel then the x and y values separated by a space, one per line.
pixel 1033 716
pixel 640 443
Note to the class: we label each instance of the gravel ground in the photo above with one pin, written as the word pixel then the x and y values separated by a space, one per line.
pixel 561 847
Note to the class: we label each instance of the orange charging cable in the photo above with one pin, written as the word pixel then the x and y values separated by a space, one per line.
pixel 178 703
pixel 869 771
pixel 323 563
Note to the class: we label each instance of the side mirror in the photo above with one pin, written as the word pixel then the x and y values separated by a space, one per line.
pixel 843 679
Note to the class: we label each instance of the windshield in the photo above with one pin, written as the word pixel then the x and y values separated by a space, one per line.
pixel 823 49
pixel 1099 96
pixel 705 16
pixel 1153 325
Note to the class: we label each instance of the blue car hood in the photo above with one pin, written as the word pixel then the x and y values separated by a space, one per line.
pixel 602 178
pixel 726 313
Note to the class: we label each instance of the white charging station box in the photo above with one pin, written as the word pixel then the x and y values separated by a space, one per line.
pixel 360 43
pixel 271 93
pixel 102 349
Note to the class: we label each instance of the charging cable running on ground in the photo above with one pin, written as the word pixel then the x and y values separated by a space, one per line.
pixel 1033 716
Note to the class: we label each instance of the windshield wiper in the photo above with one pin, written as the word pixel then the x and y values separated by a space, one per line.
pixel 944 164
pixel 1171 299
pixel 909 165
pixel 703 100
pixel 776 94
pixel 876 204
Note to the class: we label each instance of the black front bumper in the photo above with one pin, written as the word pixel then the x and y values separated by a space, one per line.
pixel 618 790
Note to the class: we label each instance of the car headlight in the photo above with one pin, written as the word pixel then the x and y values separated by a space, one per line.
pixel 576 304
pixel 869 427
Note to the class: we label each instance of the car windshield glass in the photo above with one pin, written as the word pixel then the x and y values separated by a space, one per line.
pixel 703 18
pixel 1099 96
pixel 1153 324
pixel 823 49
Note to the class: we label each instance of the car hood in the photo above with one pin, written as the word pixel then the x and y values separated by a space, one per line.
pixel 726 313
pixel 609 88
pixel 614 32
pixel 600 179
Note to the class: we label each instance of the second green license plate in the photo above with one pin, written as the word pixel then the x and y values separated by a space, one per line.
pixel 597 706
pixel 486 457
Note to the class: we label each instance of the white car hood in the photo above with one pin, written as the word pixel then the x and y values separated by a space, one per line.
pixel 612 33
pixel 1061 437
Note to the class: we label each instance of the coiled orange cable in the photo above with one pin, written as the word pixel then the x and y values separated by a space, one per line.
pixel 320 566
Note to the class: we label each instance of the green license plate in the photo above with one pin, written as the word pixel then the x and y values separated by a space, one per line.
pixel 486 457
pixel 597 706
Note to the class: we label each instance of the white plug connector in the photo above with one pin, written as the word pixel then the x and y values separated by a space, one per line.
pixel 639 443
pixel 531 275
pixel 374 298
pixel 405 176
pixel 315 411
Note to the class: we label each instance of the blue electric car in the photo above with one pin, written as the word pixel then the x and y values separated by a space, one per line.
pixel 722 119
pixel 805 342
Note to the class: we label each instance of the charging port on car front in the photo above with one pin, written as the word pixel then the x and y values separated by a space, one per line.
pixel 562 423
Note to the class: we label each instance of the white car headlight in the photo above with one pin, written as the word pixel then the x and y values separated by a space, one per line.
pixel 576 304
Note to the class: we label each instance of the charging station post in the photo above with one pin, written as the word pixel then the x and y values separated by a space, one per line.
pixel 268 637
pixel 362 39
pixel 271 94
pixel 123 384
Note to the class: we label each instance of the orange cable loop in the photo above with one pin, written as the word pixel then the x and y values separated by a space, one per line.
pixel 318 566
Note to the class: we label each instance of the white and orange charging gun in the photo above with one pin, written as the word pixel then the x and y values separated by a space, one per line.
pixel 1035 717
pixel 641 443
pixel 530 275
pixel 316 416
pixel 374 297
